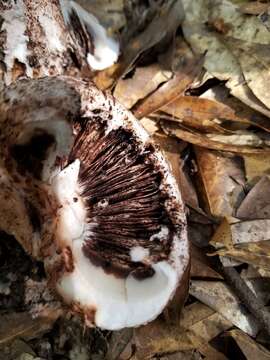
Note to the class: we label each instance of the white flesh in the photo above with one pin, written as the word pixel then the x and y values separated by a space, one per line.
pixel 118 302
pixel 106 49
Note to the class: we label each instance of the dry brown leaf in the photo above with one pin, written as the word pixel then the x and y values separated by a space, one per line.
pixel 243 114
pixel 157 30
pixel 240 138
pixel 158 337
pixel 219 60
pixel 118 343
pixel 211 353
pixel 169 91
pixel 201 113
pixel 255 64
pixel 23 325
pixel 250 348
pixel 233 232
pixel 199 139
pixel 256 204
pixel 183 355
pixel 172 149
pixel 257 254
pixel 219 297
pixel 256 166
pixel 151 126
pixel 200 265
pixel 246 241
pixel 144 81
pixel 223 179
pixel 109 12
pixel 254 8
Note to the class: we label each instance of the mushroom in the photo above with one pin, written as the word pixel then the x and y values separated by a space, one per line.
pixel 100 50
pixel 113 229
pixel 45 38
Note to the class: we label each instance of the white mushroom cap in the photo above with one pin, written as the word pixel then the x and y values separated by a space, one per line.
pixel 114 242
pixel 105 49
pixel 108 301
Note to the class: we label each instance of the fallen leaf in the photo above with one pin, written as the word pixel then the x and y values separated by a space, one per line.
pixel 256 205
pixel 144 81
pixel 254 8
pixel 202 140
pixel 210 353
pixel 200 265
pixel 109 12
pixel 223 179
pixel 172 149
pixel 255 64
pixel 169 91
pixel 159 338
pixel 183 355
pixel 256 166
pixel 151 126
pixel 250 348
pixel 201 113
pixel 16 350
pixel 219 297
pixel 246 241
pixel 118 343
pixel 219 60
pixel 243 114
pixel 239 138
pixel 23 325
pixel 157 30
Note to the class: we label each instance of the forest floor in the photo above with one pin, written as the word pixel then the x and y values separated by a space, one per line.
pixel 196 73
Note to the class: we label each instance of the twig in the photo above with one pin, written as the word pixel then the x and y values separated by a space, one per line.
pixel 251 301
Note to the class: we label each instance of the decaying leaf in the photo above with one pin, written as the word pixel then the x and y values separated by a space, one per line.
pixel 241 114
pixel 109 12
pixel 250 348
pixel 157 30
pixel 247 241
pixel 200 266
pixel 23 325
pixel 255 64
pixel 118 343
pixel 198 326
pixel 202 140
pixel 150 125
pixel 144 81
pixel 256 166
pixel 254 7
pixel 201 113
pixel 173 88
pixel 201 30
pixel 223 179
pixel 256 204
pixel 218 296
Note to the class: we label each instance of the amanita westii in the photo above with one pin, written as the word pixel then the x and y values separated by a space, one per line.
pixel 83 187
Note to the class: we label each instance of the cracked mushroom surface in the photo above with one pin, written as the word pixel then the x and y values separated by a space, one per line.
pixel 114 241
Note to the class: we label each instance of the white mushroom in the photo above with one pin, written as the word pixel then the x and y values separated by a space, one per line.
pixel 114 241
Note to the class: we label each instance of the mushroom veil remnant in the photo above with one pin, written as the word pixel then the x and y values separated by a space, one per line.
pixel 113 231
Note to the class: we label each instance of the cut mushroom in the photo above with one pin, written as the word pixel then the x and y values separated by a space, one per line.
pixel 116 248
pixel 101 51
pixel 46 38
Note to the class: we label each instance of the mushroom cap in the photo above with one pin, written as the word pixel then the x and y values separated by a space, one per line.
pixel 118 247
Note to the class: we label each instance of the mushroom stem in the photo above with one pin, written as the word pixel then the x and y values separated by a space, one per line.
pixel 47 38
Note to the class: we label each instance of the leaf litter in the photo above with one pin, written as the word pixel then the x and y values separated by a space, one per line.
pixel 199 82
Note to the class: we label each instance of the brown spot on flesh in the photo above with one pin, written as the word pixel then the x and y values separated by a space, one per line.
pixel 68 259
pixel 121 188
pixel 89 316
